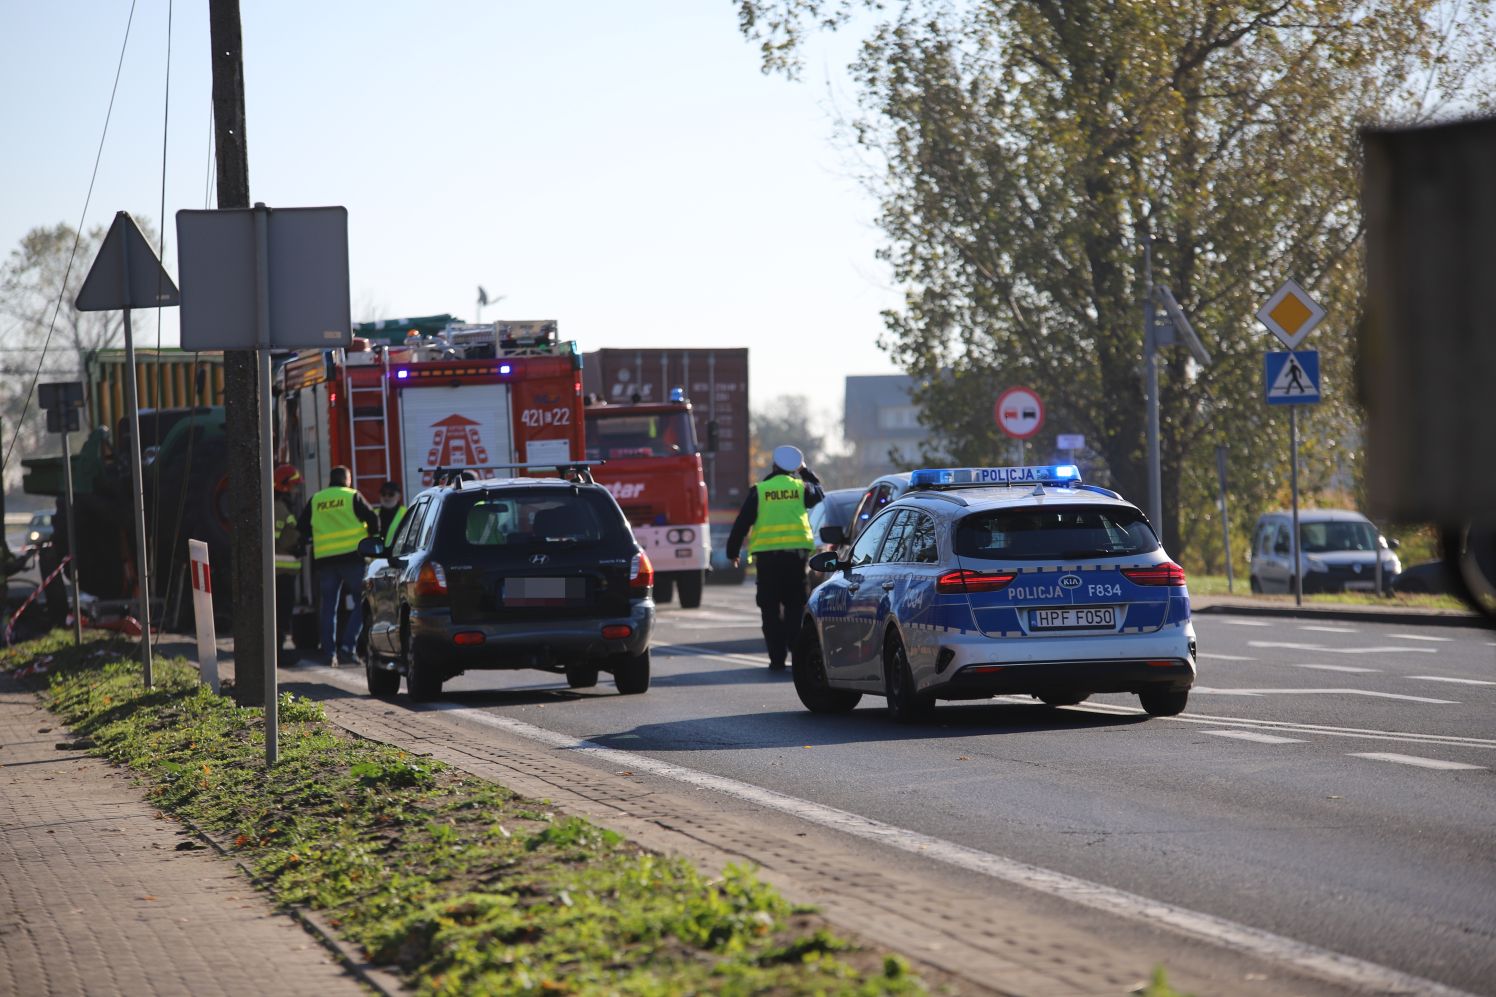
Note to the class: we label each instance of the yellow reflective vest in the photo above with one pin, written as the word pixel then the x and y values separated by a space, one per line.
pixel 389 537
pixel 336 528
pixel 782 522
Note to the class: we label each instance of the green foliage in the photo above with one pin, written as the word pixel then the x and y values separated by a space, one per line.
pixel 1029 150
pixel 455 881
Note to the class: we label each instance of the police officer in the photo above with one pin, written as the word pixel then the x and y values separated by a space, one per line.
pixel 337 518
pixel 287 544
pixel 776 511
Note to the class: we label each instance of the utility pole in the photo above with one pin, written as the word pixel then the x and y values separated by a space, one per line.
pixel 242 417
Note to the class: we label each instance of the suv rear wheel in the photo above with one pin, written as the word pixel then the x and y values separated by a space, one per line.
pixel 422 681
pixel 691 583
pixel 631 672
pixel 581 675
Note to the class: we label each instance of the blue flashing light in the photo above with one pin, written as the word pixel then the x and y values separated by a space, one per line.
pixel 402 374
pixel 1061 475
pixel 504 368
pixel 677 394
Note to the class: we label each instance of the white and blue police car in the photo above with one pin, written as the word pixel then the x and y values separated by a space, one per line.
pixel 983 581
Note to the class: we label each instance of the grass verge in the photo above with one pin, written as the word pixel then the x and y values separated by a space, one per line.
pixel 462 885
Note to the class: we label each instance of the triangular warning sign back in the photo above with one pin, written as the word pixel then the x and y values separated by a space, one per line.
pixel 1292 381
pixel 125 251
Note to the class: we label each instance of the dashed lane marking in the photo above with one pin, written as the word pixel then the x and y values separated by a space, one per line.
pixel 1448 678
pixel 1234 621
pixel 1320 648
pixel 1442 640
pixel 1226 657
pixel 1331 630
pixel 1353 669
pixel 1207 690
pixel 1415 760
pixel 1249 735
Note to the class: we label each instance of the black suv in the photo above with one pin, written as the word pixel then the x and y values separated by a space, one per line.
pixel 519 573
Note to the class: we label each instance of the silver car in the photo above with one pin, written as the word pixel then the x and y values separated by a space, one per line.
pixel 1338 552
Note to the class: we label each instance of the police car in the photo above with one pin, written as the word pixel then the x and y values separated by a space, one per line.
pixel 998 580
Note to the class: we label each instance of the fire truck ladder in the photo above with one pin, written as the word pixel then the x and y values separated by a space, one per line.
pixel 368 408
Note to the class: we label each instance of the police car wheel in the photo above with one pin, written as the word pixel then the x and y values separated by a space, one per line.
pixel 905 705
pixel 809 673
pixel 1063 698
pixel 580 675
pixel 1164 702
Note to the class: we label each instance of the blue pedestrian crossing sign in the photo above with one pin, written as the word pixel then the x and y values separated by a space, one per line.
pixel 1292 377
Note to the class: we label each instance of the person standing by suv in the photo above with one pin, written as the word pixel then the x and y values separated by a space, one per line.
pixel 776 510
pixel 337 518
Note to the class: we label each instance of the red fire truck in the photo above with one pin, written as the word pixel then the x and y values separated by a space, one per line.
pixel 479 396
pixel 653 468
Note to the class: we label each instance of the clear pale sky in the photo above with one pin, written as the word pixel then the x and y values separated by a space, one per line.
pixel 622 167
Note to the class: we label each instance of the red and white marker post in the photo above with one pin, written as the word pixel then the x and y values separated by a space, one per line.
pixel 202 610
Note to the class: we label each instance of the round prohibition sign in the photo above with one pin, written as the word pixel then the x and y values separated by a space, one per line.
pixel 1019 413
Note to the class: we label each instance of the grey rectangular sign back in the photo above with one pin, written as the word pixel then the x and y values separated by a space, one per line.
pixel 307 253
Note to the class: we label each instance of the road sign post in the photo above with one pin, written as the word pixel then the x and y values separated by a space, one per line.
pixel 126 274
pixel 62 400
pixel 1292 379
pixel 261 279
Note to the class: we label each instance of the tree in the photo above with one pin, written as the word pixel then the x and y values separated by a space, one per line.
pixel 1031 148
pixel 38 285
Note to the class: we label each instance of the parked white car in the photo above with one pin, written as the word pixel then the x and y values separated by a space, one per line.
pixel 1338 552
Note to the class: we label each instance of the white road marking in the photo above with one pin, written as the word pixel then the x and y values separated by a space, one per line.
pixel 1408 737
pixel 1423 763
pixel 1236 622
pixel 1442 640
pixel 1340 668
pixel 681 650
pixel 1247 735
pixel 1446 678
pixel 1240 937
pixel 1331 630
pixel 1322 692
pixel 1341 650
pixel 1226 657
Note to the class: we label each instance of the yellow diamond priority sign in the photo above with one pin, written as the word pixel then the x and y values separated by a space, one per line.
pixel 1290 314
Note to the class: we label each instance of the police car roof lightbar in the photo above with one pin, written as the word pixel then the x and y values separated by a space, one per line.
pixel 1060 475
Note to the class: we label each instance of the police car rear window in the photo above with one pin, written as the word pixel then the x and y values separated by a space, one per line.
pixel 1055 532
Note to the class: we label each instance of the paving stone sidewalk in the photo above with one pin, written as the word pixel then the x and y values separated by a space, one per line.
pixel 96 898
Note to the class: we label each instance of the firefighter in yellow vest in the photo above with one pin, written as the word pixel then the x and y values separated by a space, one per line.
pixel 391 511
pixel 287 543
pixel 776 510
pixel 337 518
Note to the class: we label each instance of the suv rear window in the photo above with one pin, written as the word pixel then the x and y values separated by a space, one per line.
pixel 1044 534
pixel 528 518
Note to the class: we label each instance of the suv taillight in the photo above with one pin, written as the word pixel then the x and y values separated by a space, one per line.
pixel 641 574
pixel 963 580
pixel 431 580
pixel 1167 573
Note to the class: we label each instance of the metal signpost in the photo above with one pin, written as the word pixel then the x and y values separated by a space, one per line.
pixel 62 400
pixel 126 274
pixel 1019 413
pixel 1292 379
pixel 1155 334
pixel 1070 442
pixel 262 279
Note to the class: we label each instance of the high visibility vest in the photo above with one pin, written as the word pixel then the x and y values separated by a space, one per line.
pixel 389 537
pixel 286 561
pixel 783 523
pixel 336 528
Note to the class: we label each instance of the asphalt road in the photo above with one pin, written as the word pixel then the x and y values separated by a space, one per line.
pixel 1332 783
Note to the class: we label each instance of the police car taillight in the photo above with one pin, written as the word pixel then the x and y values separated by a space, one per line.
pixel 641 573
pixel 963 580
pixel 1158 574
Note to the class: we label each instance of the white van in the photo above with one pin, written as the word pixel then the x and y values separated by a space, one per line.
pixel 1338 552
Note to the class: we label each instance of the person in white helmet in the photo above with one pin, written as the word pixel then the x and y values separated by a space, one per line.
pixel 776 512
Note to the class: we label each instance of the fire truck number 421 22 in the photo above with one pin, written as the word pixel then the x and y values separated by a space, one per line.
pixel 546 417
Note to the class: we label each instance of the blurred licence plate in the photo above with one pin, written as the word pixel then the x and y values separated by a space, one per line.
pixel 1074 618
pixel 544 591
